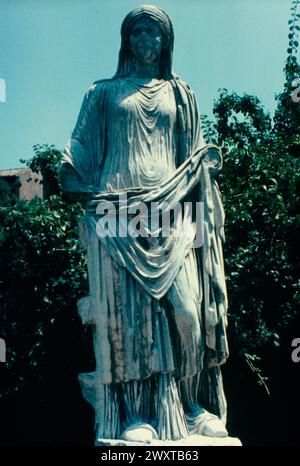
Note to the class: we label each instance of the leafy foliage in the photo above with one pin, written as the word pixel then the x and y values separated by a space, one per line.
pixel 9 191
pixel 260 185
pixel 46 159
pixel 43 273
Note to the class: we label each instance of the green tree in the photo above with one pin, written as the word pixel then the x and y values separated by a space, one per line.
pixel 43 272
pixel 260 185
pixel 46 160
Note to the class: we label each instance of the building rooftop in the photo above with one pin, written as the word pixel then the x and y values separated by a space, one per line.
pixel 14 171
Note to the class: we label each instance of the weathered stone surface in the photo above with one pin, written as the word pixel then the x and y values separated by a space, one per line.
pixel 157 302
pixel 194 440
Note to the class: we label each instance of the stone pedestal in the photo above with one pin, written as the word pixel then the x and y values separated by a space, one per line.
pixel 193 441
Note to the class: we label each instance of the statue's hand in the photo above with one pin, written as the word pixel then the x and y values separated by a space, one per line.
pixel 214 159
pixel 70 181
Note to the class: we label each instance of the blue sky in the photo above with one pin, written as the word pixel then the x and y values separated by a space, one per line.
pixel 52 50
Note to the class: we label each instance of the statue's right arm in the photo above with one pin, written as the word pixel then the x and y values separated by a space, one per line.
pixel 70 180
pixel 78 172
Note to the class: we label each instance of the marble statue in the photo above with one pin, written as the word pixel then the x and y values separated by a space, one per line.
pixel 157 304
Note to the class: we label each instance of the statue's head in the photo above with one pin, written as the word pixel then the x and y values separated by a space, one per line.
pixel 158 23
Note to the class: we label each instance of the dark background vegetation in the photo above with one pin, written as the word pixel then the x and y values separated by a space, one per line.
pixel 43 274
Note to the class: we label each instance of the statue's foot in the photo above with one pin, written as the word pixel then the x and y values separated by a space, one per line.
pixel 202 422
pixel 139 433
pixel 214 428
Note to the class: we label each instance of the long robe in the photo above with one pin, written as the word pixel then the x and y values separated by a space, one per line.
pixel 156 156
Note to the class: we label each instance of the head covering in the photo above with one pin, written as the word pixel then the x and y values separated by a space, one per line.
pixel 126 60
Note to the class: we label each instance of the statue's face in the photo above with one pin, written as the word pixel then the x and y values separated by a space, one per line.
pixel 146 40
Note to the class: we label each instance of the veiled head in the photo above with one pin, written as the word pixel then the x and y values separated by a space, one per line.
pixel 161 20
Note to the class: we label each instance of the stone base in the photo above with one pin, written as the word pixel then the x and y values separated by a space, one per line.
pixel 194 440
